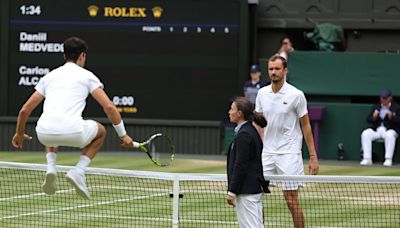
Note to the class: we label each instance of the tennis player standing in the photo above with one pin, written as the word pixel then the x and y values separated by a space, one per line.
pixel 64 91
pixel 285 109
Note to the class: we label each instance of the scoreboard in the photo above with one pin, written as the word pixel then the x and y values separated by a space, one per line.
pixel 173 59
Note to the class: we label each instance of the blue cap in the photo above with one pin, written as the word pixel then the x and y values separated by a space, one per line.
pixel 254 69
pixel 385 93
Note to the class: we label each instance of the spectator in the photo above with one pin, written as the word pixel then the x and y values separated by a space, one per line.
pixel 245 178
pixel 286 47
pixel 252 86
pixel 385 120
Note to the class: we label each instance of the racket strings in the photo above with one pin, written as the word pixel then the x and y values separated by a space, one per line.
pixel 161 150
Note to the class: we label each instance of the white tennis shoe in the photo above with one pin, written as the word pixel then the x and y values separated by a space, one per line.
pixel 366 162
pixel 388 162
pixel 78 181
pixel 49 185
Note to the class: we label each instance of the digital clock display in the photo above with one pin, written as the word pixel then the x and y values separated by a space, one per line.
pixel 173 59
pixel 30 9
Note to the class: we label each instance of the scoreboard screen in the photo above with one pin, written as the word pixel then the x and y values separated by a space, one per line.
pixel 174 59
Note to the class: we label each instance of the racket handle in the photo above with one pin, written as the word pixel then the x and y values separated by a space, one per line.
pixel 136 144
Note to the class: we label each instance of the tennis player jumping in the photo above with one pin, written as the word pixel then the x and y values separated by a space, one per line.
pixel 64 91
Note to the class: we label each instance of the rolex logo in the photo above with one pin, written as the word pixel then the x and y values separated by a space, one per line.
pixel 157 11
pixel 92 9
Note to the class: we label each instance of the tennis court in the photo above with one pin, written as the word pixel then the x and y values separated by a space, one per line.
pixel 126 198
pixel 116 202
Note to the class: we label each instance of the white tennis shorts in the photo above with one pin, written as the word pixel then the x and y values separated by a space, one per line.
pixel 79 139
pixel 283 164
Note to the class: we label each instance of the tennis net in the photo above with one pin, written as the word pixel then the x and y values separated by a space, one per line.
pixel 123 198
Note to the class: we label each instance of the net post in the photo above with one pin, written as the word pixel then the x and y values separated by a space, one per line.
pixel 175 202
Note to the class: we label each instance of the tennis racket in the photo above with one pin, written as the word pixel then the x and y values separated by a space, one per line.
pixel 159 148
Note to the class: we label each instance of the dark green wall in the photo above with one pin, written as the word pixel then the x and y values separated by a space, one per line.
pixel 344 73
pixel 342 123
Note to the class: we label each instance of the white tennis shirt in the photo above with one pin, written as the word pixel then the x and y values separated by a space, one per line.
pixel 65 90
pixel 282 111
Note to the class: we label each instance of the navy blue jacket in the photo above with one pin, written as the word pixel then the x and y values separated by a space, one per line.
pixel 393 123
pixel 244 167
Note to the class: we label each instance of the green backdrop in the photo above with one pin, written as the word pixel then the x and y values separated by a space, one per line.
pixel 344 73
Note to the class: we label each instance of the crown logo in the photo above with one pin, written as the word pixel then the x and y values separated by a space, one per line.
pixel 92 9
pixel 157 11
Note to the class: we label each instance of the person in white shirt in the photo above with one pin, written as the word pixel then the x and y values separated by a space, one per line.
pixel 64 91
pixel 285 109
pixel 286 47
pixel 384 118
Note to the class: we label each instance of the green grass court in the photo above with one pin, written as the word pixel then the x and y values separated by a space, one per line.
pixel 123 201
pixel 190 164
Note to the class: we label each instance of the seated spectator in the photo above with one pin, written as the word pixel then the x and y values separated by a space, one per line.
pixel 286 47
pixel 252 86
pixel 385 120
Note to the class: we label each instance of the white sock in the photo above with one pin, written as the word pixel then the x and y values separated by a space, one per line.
pixel 51 161
pixel 83 163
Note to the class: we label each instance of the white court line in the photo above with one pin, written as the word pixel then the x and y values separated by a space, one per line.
pixel 121 217
pixel 33 195
pixel 130 188
pixel 158 219
pixel 204 191
pixel 81 206
pixel 379 200
pixel 93 187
